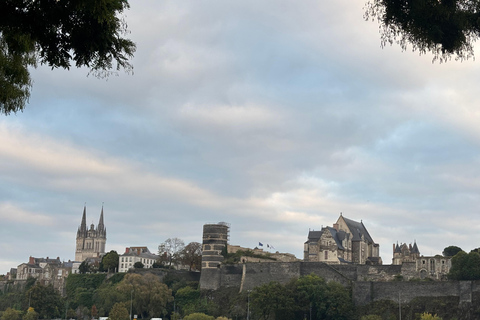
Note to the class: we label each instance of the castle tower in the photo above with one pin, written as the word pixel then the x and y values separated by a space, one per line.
pixel 215 240
pixel 90 242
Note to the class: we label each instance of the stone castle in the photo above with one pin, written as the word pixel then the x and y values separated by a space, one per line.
pixel 345 253
pixel 90 242
pixel 347 242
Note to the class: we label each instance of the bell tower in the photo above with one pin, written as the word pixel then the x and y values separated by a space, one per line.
pixel 90 242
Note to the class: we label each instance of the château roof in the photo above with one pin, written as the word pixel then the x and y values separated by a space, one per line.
pixel 415 248
pixel 358 230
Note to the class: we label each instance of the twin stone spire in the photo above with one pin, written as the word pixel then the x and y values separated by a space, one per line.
pixel 90 242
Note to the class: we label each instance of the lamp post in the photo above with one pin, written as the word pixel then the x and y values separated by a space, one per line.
pixel 399 307
pixel 131 303
pixel 248 304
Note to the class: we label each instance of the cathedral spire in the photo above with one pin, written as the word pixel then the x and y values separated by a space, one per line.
pixel 83 226
pixel 101 226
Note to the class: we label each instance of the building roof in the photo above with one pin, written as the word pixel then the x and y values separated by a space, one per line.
pixel 142 252
pixel 358 230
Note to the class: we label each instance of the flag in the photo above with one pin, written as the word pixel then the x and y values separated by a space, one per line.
pixel 260 244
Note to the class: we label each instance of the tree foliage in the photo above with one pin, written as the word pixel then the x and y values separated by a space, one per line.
pixel 31 314
pixel 465 266
pixel 450 251
pixel 170 251
pixel 442 27
pixel 198 316
pixel 119 312
pixel 45 300
pixel 191 256
pixel 10 314
pixel 150 295
pixel 307 295
pixel 428 316
pixel 110 261
pixel 58 33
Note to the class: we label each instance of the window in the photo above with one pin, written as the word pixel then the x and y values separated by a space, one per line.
pixel 326 255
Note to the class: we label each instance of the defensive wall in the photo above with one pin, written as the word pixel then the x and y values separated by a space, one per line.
pixel 364 292
pixel 368 283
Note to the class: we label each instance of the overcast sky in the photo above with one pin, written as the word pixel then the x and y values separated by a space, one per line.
pixel 273 116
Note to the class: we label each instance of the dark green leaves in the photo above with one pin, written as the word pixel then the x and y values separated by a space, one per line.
pixel 85 33
pixel 444 28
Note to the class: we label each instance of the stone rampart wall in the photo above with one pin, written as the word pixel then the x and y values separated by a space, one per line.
pixel 369 283
pixel 364 292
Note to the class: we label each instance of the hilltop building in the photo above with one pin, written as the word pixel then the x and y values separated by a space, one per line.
pixel 132 255
pixel 90 242
pixel 346 242
pixel 433 267
pixel 46 271
pixel 405 253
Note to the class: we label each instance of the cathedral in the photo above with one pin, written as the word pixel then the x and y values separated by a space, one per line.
pixel 90 242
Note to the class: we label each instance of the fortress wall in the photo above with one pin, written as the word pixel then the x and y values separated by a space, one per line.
pixel 232 276
pixel 258 273
pixel 366 292
pixel 262 273
pixel 378 287
pixel 343 274
pixel 378 273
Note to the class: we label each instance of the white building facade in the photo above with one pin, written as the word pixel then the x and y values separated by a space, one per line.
pixel 132 255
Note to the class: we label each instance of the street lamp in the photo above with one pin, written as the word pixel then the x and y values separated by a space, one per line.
pixel 131 303
pixel 248 304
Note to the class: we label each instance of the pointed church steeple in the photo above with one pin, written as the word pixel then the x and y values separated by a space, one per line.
pixel 101 227
pixel 90 243
pixel 82 230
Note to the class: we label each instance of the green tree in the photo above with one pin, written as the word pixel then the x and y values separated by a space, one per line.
pixel 107 295
pixel 311 290
pixel 58 33
pixel 465 266
pixel 10 314
pixel 428 316
pixel 371 317
pixel 338 304
pixel 31 314
pixel 273 300
pixel 451 251
pixel 150 295
pixel 45 300
pixel 138 265
pixel 444 28
pixel 110 261
pixel 188 299
pixel 84 267
pixel 191 256
pixel 198 316
pixel 118 312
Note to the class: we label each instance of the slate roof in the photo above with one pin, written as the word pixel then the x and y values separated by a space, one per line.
pixel 338 236
pixel 397 249
pixel 415 248
pixel 358 230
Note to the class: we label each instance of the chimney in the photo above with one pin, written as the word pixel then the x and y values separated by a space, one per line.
pixel 335 226
pixel 127 250
pixel 31 260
